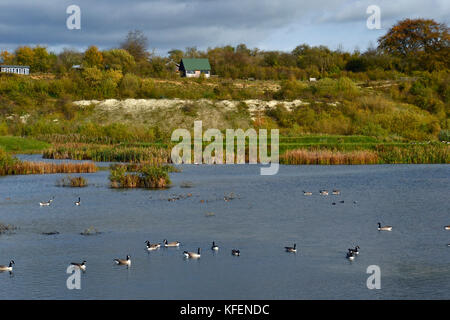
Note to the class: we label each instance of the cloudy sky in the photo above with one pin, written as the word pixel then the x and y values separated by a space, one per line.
pixel 274 24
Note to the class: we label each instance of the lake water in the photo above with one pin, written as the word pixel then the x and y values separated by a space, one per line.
pixel 267 213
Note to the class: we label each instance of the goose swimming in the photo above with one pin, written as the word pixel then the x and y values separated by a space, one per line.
pixel 77 203
pixel 350 256
pixel 291 249
pixel 171 244
pixel 151 247
pixel 81 266
pixel 385 228
pixel 323 192
pixel 123 262
pixel 447 227
pixel 336 192
pixel 7 268
pixel 355 250
pixel 192 255
pixel 235 252
pixel 214 246
pixel 46 204
pixel 307 193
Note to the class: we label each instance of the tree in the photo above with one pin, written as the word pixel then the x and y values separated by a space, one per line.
pixel 25 56
pixel 136 43
pixel 422 42
pixel 6 57
pixel 119 59
pixel 175 55
pixel 93 57
pixel 42 60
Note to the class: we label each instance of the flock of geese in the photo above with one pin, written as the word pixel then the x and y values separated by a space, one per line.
pixel 351 253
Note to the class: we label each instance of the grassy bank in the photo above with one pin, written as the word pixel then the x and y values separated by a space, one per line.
pixel 22 145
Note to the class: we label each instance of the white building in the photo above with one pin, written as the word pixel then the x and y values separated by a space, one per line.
pixel 15 69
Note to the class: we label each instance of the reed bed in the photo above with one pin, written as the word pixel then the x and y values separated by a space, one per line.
pixel 74 182
pixel 28 167
pixel 148 176
pixel 109 153
pixel 327 157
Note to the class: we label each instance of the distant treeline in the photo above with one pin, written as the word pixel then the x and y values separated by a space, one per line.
pixel 410 45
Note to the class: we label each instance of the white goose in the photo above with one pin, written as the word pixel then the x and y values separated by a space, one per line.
pixel 7 268
pixel 385 228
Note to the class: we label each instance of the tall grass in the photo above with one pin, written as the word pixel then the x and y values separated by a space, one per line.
pixel 74 182
pixel 147 176
pixel 13 166
pixel 327 157
pixel 109 153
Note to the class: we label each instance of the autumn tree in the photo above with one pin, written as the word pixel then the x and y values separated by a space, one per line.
pixel 119 59
pixel 24 56
pixel 136 43
pixel 93 57
pixel 421 42
pixel 6 57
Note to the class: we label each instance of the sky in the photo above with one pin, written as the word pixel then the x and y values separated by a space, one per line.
pixel 170 24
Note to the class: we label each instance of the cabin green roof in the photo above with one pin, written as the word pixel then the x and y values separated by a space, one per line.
pixel 196 64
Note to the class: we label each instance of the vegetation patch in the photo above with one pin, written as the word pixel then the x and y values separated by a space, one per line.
pixel 75 182
pixel 146 176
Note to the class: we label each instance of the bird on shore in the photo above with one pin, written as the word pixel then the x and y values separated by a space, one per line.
pixel 385 228
pixel 123 262
pixel 171 244
pixel 154 246
pixel 7 268
pixel 235 252
pixel 192 255
pixel 77 203
pixel 291 249
pixel 214 246
pixel 47 203
pixel 81 266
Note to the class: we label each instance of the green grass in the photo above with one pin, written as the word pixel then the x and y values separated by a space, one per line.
pixel 22 145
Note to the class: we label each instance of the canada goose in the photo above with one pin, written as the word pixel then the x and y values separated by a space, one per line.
pixel 214 246
pixel 7 268
pixel 323 192
pixel 342 201
pixel 235 252
pixel 192 255
pixel 44 204
pixel 350 255
pixel 307 193
pixel 291 249
pixel 77 203
pixel 355 250
pixel 336 192
pixel 171 244
pixel 447 227
pixel 334 203
pixel 151 247
pixel 126 262
pixel 385 228
pixel 81 266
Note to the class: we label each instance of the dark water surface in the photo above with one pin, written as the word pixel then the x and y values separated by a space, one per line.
pixel 268 213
